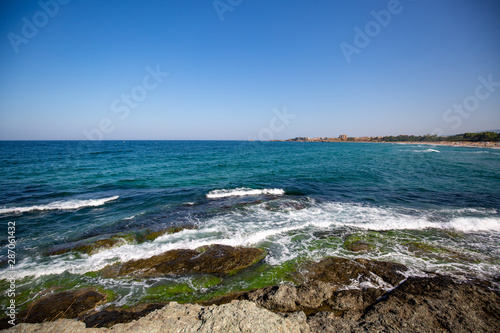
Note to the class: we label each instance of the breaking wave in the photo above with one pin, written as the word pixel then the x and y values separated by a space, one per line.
pixel 242 191
pixel 60 205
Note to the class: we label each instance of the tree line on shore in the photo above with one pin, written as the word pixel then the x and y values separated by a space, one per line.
pixel 469 137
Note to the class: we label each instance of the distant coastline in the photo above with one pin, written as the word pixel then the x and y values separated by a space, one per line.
pixel 482 139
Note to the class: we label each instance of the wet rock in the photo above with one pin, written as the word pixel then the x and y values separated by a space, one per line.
pixel 66 304
pixel 342 271
pixel 219 260
pixel 359 246
pixel 356 243
pixel 110 317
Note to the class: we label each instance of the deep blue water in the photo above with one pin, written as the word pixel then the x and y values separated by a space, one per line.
pixel 63 192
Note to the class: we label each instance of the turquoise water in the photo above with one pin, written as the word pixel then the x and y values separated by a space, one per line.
pixel 433 208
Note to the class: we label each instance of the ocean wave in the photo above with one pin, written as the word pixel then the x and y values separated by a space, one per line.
pixel 426 151
pixel 242 191
pixel 471 224
pixel 60 205
pixel 286 234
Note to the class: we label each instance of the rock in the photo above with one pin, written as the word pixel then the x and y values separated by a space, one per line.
pixel 342 271
pixel 352 304
pixel 219 260
pixel 358 243
pixel 277 298
pixel 435 305
pixel 359 246
pixel 66 304
pixel 312 294
pixel 308 297
pixel 327 322
pixel 110 317
pixel 236 317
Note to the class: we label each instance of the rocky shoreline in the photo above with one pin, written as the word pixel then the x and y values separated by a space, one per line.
pixel 385 300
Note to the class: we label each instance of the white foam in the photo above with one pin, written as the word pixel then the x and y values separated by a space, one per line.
pixel 471 224
pixel 275 230
pixel 427 151
pixel 60 205
pixel 242 191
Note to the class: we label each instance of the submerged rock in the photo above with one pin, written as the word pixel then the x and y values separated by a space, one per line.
pixel 358 246
pixel 219 260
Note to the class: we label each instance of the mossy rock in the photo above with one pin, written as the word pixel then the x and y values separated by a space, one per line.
pixel 219 260
pixel 165 292
pixel 359 246
pixel 205 281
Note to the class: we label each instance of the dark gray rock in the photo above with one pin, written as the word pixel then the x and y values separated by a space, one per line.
pixel 342 271
pixel 436 305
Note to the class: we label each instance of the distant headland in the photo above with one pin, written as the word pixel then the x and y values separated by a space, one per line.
pixel 481 139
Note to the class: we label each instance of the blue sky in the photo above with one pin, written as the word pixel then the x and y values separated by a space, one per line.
pixel 244 69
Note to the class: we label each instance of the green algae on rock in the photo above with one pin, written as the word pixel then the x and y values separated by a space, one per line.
pixel 219 260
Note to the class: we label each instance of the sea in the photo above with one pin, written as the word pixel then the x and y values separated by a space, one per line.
pixel 435 209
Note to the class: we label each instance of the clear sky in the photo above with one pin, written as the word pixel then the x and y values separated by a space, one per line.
pixel 240 69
